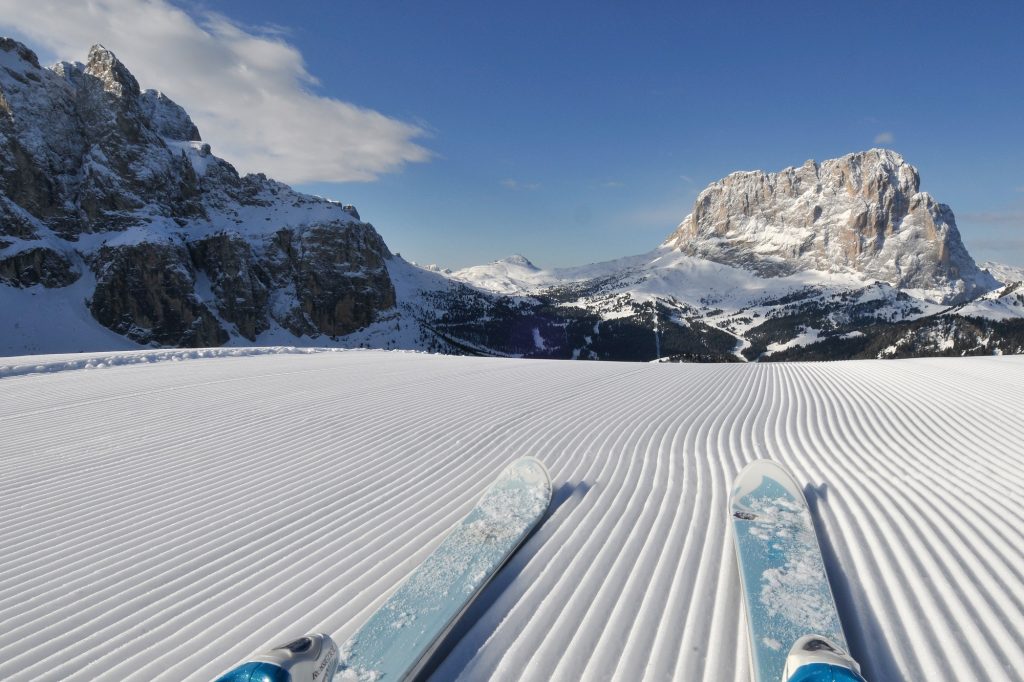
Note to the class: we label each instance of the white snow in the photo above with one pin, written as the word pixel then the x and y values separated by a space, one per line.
pixel 165 519
pixel 806 337
pixel 41 320
pixel 1005 303
pixel 538 340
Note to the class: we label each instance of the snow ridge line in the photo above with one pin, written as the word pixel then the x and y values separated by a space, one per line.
pixel 38 365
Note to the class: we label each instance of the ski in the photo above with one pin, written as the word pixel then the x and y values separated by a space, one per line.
pixel 792 623
pixel 400 637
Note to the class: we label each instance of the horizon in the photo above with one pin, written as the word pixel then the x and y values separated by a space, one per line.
pixel 471 136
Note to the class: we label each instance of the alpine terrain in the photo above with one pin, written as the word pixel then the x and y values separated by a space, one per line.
pixel 120 229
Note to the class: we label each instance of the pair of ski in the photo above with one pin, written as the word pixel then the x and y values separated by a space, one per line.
pixel 793 626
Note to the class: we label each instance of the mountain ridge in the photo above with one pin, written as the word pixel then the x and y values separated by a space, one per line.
pixel 861 212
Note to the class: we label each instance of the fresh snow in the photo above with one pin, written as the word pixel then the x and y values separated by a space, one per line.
pixel 1006 303
pixel 664 273
pixel 805 338
pixel 163 520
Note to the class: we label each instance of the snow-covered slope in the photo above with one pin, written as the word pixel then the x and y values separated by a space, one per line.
pixel 161 521
pixel 1007 274
pixel 664 272
pixel 510 275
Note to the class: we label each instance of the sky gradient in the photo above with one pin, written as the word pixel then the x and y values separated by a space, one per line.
pixel 579 132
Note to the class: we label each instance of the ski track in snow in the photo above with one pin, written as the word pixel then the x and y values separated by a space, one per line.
pixel 164 520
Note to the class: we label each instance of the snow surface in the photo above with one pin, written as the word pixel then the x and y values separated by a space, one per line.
pixel 1006 303
pixel 164 520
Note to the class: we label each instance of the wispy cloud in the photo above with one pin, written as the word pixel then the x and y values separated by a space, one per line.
pixel 885 137
pixel 612 184
pixel 509 183
pixel 687 179
pixel 1012 217
pixel 247 88
pixel 1000 246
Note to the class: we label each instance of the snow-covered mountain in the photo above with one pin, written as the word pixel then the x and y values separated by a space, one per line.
pixel 109 196
pixel 846 258
pixel 119 228
pixel 861 213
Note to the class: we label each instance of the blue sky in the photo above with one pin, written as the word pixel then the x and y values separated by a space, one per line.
pixel 576 132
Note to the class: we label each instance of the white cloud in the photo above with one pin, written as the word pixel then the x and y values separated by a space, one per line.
pixel 884 138
pixel 247 89
pixel 509 183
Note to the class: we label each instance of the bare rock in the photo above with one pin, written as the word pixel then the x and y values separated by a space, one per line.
pixel 147 292
pixel 37 265
pixel 239 283
pixel 338 274
pixel 861 213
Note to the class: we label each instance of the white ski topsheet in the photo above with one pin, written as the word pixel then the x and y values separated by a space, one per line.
pixel 166 520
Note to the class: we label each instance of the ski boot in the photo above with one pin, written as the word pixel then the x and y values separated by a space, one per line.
pixel 816 659
pixel 313 658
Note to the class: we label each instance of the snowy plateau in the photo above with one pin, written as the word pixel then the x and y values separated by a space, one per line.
pixel 120 229
pixel 164 514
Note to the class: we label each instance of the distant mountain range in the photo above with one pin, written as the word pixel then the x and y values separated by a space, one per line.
pixel 119 228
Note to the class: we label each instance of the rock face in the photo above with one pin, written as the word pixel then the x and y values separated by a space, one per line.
pixel 185 251
pixel 861 213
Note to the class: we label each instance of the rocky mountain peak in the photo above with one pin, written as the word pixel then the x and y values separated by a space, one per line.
pixel 19 51
pixel 167 118
pixel 116 78
pixel 182 250
pixel 860 213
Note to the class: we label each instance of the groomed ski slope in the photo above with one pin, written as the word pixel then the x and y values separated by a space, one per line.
pixel 163 520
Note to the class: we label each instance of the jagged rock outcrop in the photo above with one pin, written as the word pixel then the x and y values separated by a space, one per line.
pixel 146 292
pixel 238 281
pixel 326 303
pixel 37 266
pixel 184 250
pixel 861 213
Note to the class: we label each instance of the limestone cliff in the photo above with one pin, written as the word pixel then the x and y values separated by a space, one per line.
pixel 862 213
pixel 97 173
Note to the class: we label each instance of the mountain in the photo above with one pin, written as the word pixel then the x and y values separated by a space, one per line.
pixel 862 213
pixel 842 259
pixel 108 193
pixel 120 228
